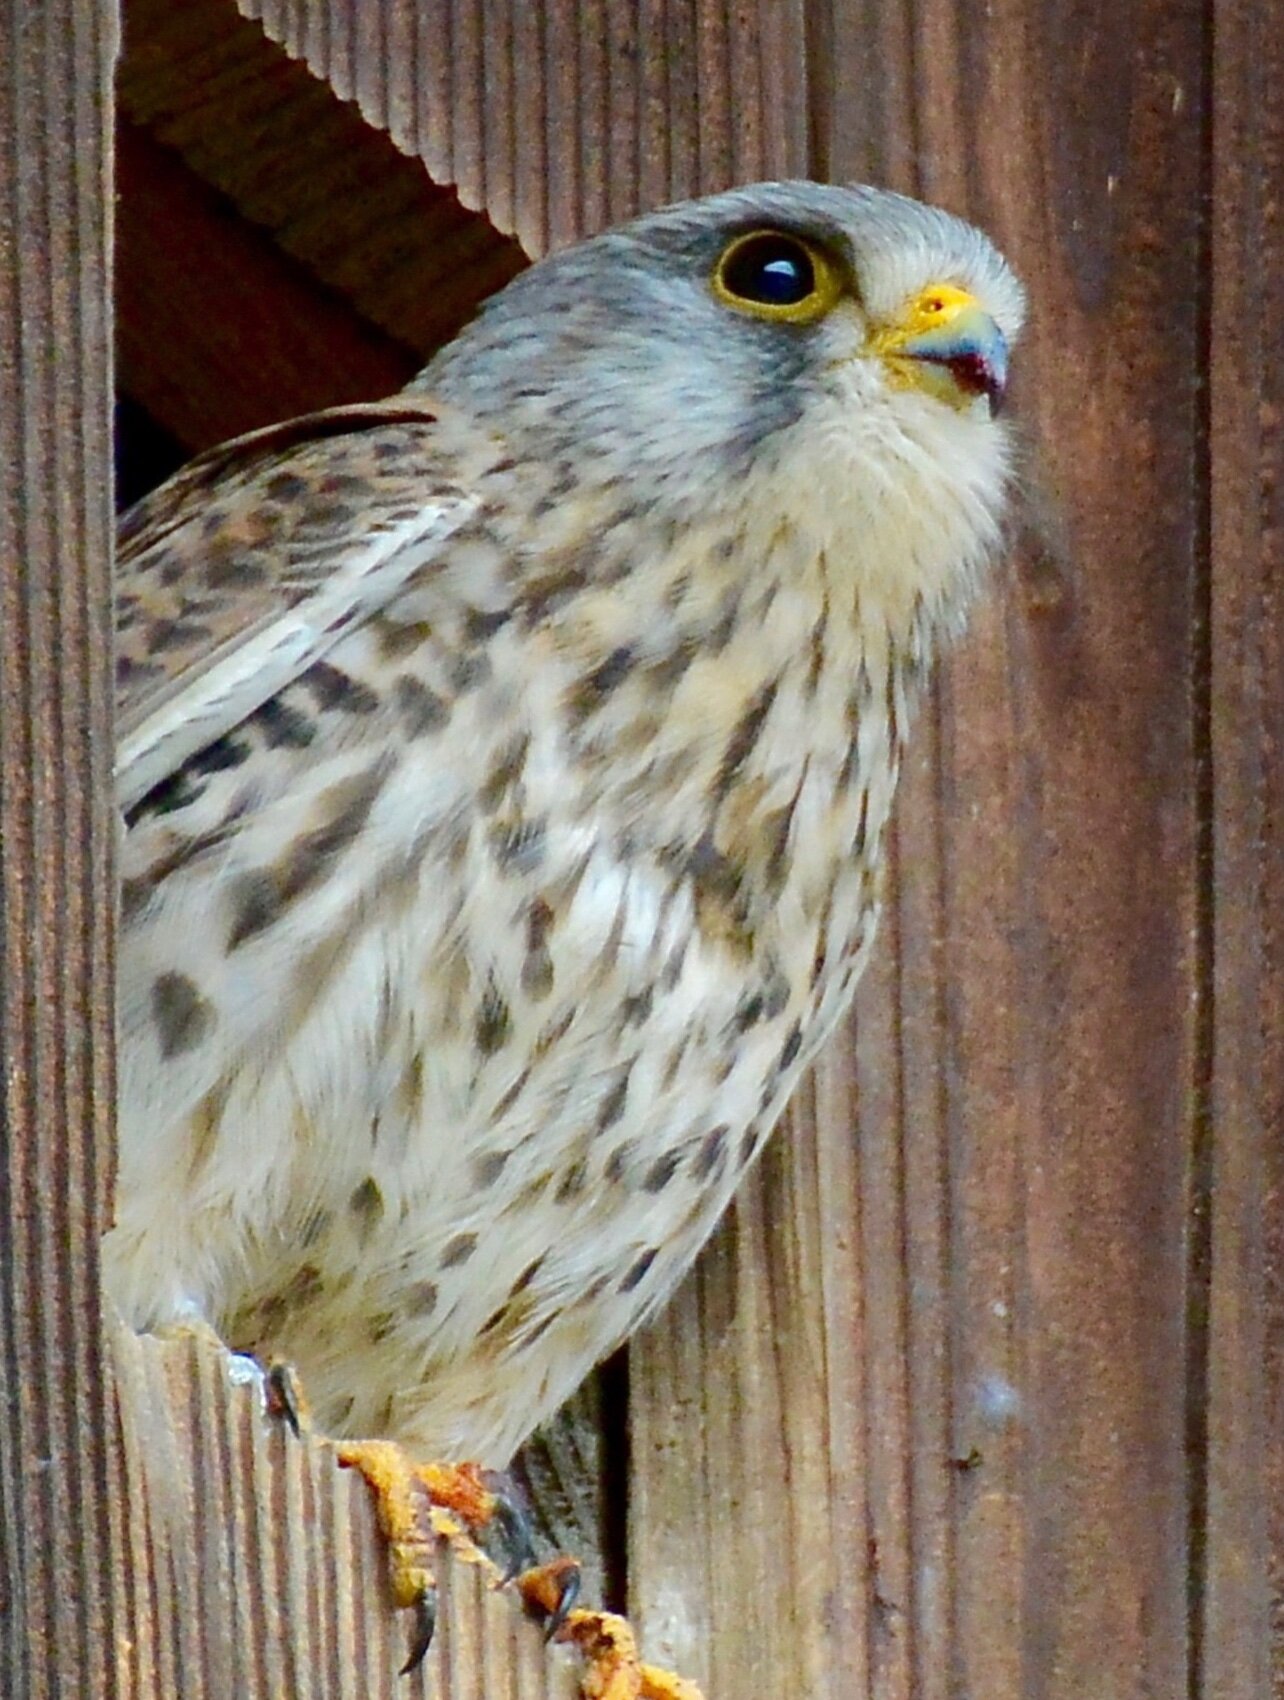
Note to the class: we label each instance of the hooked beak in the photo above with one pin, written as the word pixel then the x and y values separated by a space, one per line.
pixel 947 344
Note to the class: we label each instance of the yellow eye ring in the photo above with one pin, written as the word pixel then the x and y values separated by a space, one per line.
pixel 772 274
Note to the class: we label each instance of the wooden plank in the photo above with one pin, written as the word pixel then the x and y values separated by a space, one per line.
pixel 57 1617
pixel 746 1464
pixel 1238 1575
pixel 254 1567
pixel 973 1331
pixel 560 118
pixel 1068 824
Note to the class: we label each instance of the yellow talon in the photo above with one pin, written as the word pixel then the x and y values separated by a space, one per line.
pixel 404 1509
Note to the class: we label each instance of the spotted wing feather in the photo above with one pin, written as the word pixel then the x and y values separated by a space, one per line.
pixel 250 565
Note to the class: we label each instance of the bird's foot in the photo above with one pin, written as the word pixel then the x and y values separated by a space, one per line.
pixel 279 1388
pixel 277 1381
pixel 420 1504
pixel 612 1669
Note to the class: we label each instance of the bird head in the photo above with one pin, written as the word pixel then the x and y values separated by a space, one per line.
pixel 829 357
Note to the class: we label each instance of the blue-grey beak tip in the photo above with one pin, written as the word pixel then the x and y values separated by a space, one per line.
pixel 973 350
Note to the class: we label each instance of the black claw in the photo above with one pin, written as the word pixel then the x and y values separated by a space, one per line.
pixel 511 1524
pixel 514 1535
pixel 425 1610
pixel 565 1601
pixel 282 1397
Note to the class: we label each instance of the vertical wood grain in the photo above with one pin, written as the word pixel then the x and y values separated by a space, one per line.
pixel 562 117
pixel 56 892
pixel 253 1567
pixel 1237 1405
pixel 1002 1397
pixel 1061 832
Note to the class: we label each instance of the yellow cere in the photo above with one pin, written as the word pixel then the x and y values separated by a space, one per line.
pixel 933 309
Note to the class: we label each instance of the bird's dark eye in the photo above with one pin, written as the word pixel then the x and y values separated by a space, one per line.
pixel 772 270
pixel 776 276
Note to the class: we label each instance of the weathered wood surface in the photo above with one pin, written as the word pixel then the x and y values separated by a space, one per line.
pixel 1237 1401
pixel 1003 1403
pixel 252 1566
pixel 559 118
pixel 57 1479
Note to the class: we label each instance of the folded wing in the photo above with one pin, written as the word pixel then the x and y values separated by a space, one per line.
pixel 253 562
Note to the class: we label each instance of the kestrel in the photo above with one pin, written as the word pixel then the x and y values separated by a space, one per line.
pixel 506 768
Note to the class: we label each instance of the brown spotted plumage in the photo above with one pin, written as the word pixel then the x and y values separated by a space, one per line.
pixel 505 770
